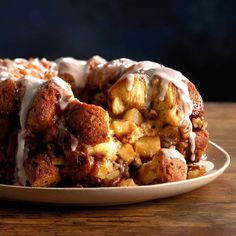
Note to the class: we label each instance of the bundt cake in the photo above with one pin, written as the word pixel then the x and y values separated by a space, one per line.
pixel 74 123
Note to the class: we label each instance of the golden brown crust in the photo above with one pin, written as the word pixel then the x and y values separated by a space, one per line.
pixel 5 124
pixel 147 114
pixel 163 168
pixel 78 166
pixel 172 168
pixel 198 106
pixel 88 122
pixel 41 172
pixel 8 94
pixel 7 169
pixel 7 158
pixel 42 113
pixel 201 143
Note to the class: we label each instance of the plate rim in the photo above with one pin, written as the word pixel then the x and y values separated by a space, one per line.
pixel 91 189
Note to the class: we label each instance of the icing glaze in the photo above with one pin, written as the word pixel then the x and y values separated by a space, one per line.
pixel 207 164
pixel 173 153
pixel 78 70
pixel 146 65
pixel 4 75
pixel 192 137
pixel 31 87
pixel 65 91
pixel 168 75
pixel 130 82
pixel 74 144
pixel 75 68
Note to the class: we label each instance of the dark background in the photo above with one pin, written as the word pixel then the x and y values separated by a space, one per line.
pixel 195 37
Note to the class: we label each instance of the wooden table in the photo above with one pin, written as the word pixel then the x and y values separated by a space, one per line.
pixel 210 210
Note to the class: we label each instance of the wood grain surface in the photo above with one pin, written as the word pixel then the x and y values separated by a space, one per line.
pixel 210 210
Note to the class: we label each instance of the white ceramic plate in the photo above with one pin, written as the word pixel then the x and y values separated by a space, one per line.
pixel 118 195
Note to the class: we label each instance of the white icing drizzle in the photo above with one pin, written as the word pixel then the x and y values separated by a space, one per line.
pixel 192 136
pixel 20 60
pixel 9 65
pixel 65 91
pixel 130 82
pixel 207 164
pixel 78 70
pixel 32 65
pixel 122 64
pixel 74 144
pixel 119 166
pixel 146 65
pixel 169 75
pixel 4 75
pixel 186 122
pixel 21 67
pixel 173 153
pixel 125 63
pixel 53 66
pixel 75 68
pixel 36 62
pixel 164 88
pixel 99 60
pixel 31 85
pixel 204 157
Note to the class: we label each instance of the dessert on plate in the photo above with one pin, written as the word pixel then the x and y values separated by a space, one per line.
pixel 98 123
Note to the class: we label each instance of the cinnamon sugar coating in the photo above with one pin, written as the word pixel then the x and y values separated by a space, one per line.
pixel 97 123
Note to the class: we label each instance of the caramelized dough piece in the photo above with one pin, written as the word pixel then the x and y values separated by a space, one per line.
pixel 78 166
pixel 42 113
pixel 141 112
pixel 41 172
pixel 8 93
pixel 198 106
pixel 89 122
pixel 5 124
pixel 166 166
pixel 7 170
pixel 12 146
pixel 201 144
pixel 172 168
